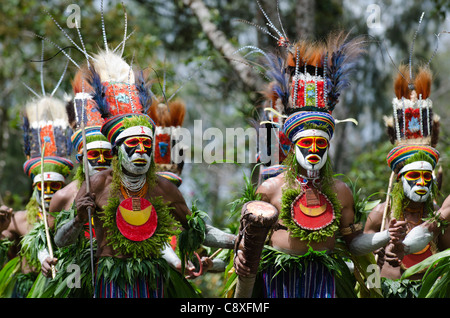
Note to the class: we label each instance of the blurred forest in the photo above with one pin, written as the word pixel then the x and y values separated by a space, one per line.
pixel 190 42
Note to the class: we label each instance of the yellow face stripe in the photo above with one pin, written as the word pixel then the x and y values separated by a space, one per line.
pixel 314 142
pixel 416 175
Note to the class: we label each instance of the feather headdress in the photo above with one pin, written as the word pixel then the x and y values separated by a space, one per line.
pixel 111 83
pixel 413 119
pixel 46 128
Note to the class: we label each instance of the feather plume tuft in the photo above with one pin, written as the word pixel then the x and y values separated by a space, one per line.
pixel 343 55
pixel 144 91
pixel 99 93
pixel 167 116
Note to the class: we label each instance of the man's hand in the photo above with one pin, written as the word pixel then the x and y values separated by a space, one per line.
pixel 5 217
pixel 239 264
pixel 381 256
pixel 394 254
pixel 83 203
pixel 397 231
pixel 46 266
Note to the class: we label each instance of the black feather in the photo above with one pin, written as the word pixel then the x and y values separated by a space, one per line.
pixel 71 114
pixel 144 92
pixel 99 94
pixel 279 74
pixel 26 135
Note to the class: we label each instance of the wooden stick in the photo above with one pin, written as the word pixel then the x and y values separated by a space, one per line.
pixel 386 206
pixel 44 212
pixel 86 173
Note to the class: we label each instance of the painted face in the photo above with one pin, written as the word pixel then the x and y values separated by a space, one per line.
pixel 417 184
pixel 98 159
pixel 136 154
pixel 50 187
pixel 311 152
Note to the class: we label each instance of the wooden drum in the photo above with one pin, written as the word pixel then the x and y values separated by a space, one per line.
pixel 257 218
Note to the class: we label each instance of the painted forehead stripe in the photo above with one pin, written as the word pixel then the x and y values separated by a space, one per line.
pixel 310 133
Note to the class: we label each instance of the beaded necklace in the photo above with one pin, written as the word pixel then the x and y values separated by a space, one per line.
pixel 128 193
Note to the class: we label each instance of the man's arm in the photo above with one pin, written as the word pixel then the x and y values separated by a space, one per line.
pixel 444 233
pixel 360 243
pixel 69 232
pixel 213 236
pixel 418 238
pixel 5 217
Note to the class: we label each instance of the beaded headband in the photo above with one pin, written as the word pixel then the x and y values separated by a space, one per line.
pixel 114 126
pixel 301 121
pixel 397 157
pixel 62 166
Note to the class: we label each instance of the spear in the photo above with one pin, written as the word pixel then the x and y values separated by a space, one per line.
pixel 44 212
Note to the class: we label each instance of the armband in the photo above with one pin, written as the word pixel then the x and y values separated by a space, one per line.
pixel 352 228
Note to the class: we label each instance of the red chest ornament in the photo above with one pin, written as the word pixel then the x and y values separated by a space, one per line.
pixel 415 258
pixel 312 210
pixel 136 219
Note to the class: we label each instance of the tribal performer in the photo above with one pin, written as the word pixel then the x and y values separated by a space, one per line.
pixel 414 131
pixel 135 212
pixel 98 150
pixel 46 136
pixel 314 208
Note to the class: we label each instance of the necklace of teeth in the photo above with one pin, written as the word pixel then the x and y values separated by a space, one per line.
pixel 133 183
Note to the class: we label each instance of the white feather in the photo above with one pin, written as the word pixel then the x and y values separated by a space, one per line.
pixel 111 67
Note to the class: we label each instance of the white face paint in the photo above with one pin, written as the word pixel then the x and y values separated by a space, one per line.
pixel 47 199
pixel 417 179
pixel 416 191
pixel 307 161
pixel 135 158
pixel 311 149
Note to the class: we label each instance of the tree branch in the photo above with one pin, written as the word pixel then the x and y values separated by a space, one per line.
pixel 221 44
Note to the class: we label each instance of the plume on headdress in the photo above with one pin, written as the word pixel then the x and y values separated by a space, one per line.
pixel 333 60
pixel 342 55
pixel 280 86
pixel 144 91
pixel 114 88
pixel 171 115
pixel 99 93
